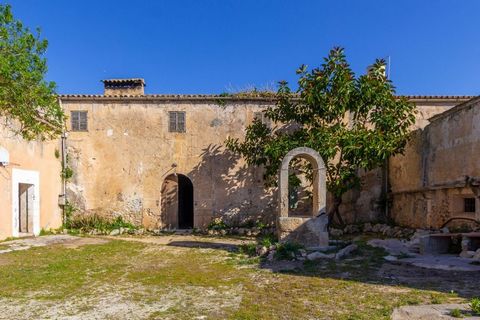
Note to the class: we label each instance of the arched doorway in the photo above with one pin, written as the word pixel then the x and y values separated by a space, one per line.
pixel 177 202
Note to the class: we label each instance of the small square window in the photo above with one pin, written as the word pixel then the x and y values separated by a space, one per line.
pixel 263 119
pixel 79 120
pixel 469 205
pixel 176 121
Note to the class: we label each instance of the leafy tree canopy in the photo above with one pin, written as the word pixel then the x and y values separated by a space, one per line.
pixel 353 122
pixel 27 101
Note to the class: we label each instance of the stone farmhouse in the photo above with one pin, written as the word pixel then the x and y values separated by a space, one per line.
pixel 160 161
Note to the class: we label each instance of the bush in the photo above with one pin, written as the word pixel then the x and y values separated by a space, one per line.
pixel 249 249
pixel 268 240
pixel 287 250
pixel 217 224
pixel 95 222
pixel 475 305
pixel 456 313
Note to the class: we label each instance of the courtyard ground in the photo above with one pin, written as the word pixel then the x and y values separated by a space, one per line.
pixel 191 277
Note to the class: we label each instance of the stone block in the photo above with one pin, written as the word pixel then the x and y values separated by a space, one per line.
pixel 309 232
pixel 434 245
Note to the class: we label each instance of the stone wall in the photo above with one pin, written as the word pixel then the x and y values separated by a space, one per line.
pixel 121 163
pixel 430 181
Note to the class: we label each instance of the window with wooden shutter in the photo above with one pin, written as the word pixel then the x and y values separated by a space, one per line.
pixel 176 121
pixel 260 116
pixel 79 120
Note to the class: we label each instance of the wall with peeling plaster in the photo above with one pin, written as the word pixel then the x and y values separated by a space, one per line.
pixel 430 181
pixel 121 163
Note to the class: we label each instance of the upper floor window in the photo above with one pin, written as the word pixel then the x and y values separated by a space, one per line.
pixel 79 120
pixel 263 119
pixel 176 121
pixel 469 205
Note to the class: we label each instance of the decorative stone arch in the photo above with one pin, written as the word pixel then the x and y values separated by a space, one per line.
pixel 319 180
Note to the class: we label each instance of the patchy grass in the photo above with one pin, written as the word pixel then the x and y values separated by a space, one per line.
pixel 121 279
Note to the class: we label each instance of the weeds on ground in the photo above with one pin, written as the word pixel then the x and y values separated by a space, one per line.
pixel 287 250
pixel 456 313
pixel 96 222
pixel 475 305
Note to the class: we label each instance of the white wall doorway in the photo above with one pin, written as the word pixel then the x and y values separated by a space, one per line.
pixel 25 202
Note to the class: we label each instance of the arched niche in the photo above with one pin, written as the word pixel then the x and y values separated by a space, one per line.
pixel 318 183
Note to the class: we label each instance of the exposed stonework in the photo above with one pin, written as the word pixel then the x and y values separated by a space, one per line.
pixel 439 169
pixel 121 163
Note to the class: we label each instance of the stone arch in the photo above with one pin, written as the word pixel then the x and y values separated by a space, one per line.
pixel 319 180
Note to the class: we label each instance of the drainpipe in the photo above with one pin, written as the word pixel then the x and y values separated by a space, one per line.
pixel 64 164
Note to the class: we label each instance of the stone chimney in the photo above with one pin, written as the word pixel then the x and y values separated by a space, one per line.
pixel 124 87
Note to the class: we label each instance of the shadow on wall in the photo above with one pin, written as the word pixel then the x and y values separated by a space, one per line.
pixel 226 187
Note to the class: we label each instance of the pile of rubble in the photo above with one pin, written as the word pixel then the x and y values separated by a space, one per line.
pixel 337 251
pixel 379 228
pixel 240 231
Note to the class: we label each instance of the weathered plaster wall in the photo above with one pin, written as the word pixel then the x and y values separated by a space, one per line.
pixel 122 161
pixel 429 181
pixel 120 164
pixel 368 202
pixel 36 156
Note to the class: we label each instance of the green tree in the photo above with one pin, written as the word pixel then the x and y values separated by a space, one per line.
pixel 354 123
pixel 27 101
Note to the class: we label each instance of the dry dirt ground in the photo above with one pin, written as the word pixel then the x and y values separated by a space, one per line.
pixel 191 277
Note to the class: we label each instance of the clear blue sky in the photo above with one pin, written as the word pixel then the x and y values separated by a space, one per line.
pixel 212 46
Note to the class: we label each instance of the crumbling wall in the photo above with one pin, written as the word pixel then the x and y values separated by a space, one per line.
pixel 430 181
pixel 120 164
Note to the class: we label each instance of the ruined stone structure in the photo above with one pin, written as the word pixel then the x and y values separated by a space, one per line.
pixel 438 177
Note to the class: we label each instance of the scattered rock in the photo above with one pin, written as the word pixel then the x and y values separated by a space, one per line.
pixel 115 232
pixel 271 255
pixel 336 232
pixel 467 254
pixel 477 255
pixel 261 250
pixel 367 227
pixel 319 255
pixel 390 258
pixel 345 251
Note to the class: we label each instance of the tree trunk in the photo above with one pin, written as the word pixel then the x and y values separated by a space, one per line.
pixel 334 212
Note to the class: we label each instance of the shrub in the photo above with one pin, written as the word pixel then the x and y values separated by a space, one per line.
pixel 456 313
pixel 249 249
pixel 97 222
pixel 217 224
pixel 475 305
pixel 287 250
pixel 268 240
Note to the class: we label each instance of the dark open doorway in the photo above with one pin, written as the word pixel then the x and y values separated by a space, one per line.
pixel 185 202
pixel 177 202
